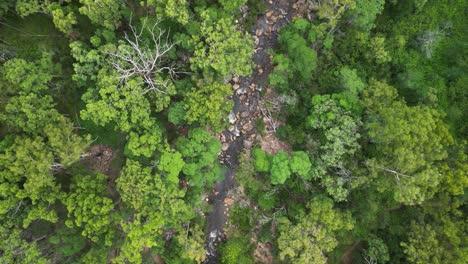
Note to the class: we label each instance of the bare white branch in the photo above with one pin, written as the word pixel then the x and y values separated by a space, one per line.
pixel 148 60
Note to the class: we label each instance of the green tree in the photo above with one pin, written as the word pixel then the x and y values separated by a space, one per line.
pixel 408 141
pixel 89 208
pixel 302 57
pixel 14 249
pixel 377 251
pixel 300 164
pixel 200 152
pixel 128 109
pixel 280 170
pixel 144 143
pixel 232 5
pixel 338 130
pixel 66 144
pixel 27 7
pixel 156 206
pixel 261 160
pixel 106 13
pixel 221 47
pixel 207 104
pixel 191 245
pixel 332 11
pixel 365 13
pixel 30 113
pixel 67 241
pixel 315 234
pixel 28 186
pixel 64 18
pixel 170 165
pixel 176 114
pixel 377 50
pixel 177 10
pixel 237 250
pixel 439 235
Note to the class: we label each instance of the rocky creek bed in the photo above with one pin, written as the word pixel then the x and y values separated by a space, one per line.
pixel 247 109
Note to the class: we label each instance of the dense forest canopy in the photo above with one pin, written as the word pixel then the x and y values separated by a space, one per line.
pixel 233 131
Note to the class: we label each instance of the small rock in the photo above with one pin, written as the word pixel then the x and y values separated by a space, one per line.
pixel 247 144
pixel 228 201
pixel 232 118
pixel 225 146
pixel 235 79
pixel 247 127
pixel 258 32
pixel 235 86
pixel 260 71
pixel 269 14
pixel 241 91
pixel 244 114
pixel 252 86
pixel 256 40
pixel 235 132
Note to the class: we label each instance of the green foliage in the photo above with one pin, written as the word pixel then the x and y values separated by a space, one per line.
pixel 176 114
pixel 64 18
pixel 191 244
pixel 331 11
pixel 267 201
pixel 315 234
pixel 206 104
pixel 177 10
pixel 302 57
pixel 14 249
pixel 245 175
pixel 29 108
pixel 439 235
pixel 67 241
pixel 280 170
pixel 171 164
pixel 146 143
pixel 200 152
pixel 350 81
pixel 27 178
pixel 89 208
pixel 261 160
pixel 237 250
pixel 339 131
pixel 300 164
pixel 408 141
pixel 156 205
pixel 106 13
pixel 365 13
pixel 219 46
pixel 128 109
pixel 426 246
pixel 232 5
pixel 377 251
pixel 25 7
pixel 377 50
pixel 30 112
pixel 399 163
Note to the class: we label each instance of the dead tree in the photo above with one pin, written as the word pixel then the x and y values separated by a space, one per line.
pixel 137 57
